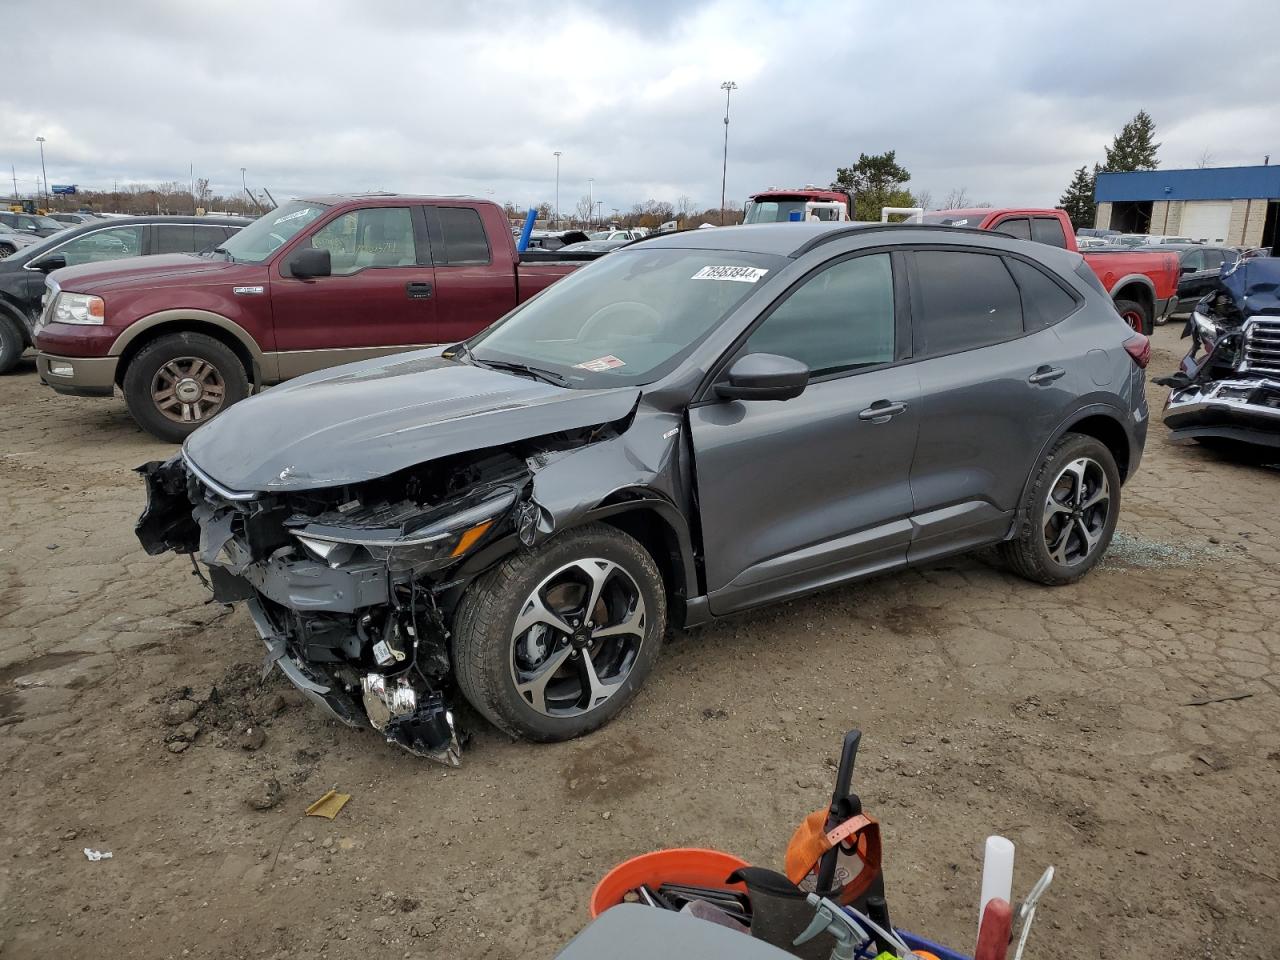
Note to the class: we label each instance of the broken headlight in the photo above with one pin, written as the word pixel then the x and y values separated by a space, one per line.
pixel 442 539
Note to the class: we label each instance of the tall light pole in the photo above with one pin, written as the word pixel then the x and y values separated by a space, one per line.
pixel 558 152
pixel 728 87
pixel 591 204
pixel 43 174
pixel 245 186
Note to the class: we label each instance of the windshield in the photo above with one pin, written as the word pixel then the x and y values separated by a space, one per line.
pixel 772 211
pixel 627 318
pixel 271 231
pixel 600 235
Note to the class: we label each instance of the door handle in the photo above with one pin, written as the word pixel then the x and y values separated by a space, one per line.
pixel 418 290
pixel 881 411
pixel 1045 375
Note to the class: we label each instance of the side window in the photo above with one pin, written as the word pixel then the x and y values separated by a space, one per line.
pixel 205 237
pixel 1019 227
pixel 839 319
pixel 1193 261
pixel 114 244
pixel 464 238
pixel 171 238
pixel 967 300
pixel 1048 230
pixel 1044 302
pixel 374 237
pixel 1212 259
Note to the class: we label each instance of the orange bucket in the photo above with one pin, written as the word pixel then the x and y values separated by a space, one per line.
pixel 687 865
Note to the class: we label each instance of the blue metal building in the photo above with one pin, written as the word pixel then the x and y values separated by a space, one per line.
pixel 1233 205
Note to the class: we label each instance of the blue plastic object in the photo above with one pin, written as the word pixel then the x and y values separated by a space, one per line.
pixel 920 943
pixel 795 216
pixel 529 220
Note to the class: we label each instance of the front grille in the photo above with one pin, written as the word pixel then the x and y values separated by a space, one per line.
pixel 1262 345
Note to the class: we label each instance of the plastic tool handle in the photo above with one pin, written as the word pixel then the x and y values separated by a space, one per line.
pixel 997 873
pixel 994 931
pixel 841 808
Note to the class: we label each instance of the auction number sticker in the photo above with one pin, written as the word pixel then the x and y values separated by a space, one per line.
pixel 601 364
pixel 738 274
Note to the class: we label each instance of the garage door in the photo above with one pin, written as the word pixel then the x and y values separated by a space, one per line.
pixel 1205 220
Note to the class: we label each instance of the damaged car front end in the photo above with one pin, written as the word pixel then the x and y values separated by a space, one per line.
pixel 348 583
pixel 1228 385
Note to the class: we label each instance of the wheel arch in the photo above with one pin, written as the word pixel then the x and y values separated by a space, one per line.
pixel 1101 421
pixel 10 312
pixel 1137 287
pixel 228 332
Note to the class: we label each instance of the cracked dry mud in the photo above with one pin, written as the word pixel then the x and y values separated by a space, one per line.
pixel 1055 716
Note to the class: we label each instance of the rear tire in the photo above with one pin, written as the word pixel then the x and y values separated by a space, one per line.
pixel 1065 532
pixel 12 343
pixel 532 683
pixel 182 381
pixel 1135 315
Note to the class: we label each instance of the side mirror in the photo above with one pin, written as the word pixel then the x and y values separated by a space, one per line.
pixel 311 262
pixel 764 376
pixel 55 261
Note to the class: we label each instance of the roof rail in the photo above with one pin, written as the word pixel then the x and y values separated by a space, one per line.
pixel 860 228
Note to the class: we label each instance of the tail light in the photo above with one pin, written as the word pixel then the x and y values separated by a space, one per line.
pixel 1139 347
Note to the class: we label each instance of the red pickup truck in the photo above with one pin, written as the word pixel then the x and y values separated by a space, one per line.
pixel 314 283
pixel 1144 286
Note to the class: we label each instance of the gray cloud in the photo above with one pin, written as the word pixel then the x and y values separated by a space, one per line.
pixel 470 98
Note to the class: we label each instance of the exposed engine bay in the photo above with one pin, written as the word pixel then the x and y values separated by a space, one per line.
pixel 1228 385
pixel 349 586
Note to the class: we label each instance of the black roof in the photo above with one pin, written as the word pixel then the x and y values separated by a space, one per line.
pixel 794 239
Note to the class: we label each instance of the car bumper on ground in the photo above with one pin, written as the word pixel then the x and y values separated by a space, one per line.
pixel 78 376
pixel 1166 308
pixel 1247 410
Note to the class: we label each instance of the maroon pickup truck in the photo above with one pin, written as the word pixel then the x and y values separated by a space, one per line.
pixel 312 284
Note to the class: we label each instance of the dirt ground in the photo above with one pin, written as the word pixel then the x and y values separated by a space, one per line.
pixel 1064 718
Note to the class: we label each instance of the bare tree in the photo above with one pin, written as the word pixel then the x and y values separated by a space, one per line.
pixel 924 199
pixel 1206 159
pixel 583 209
pixel 957 199
pixel 684 206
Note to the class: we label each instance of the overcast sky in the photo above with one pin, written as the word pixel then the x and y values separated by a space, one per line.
pixel 1004 99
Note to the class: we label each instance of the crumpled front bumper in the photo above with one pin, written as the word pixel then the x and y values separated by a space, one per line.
pixel 1245 410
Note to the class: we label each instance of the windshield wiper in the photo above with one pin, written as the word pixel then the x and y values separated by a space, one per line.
pixel 547 376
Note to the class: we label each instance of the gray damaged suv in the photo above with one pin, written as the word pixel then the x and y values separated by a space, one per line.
pixel 694 425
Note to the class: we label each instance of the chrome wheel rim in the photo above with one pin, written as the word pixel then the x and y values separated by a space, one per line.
pixel 576 638
pixel 1076 511
pixel 188 390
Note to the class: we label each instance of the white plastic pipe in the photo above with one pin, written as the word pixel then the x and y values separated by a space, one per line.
pixel 997 872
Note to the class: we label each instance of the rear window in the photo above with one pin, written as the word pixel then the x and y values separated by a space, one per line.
pixel 968 300
pixel 1044 302
pixel 463 234
pixel 1048 230
pixel 1085 273
pixel 1018 227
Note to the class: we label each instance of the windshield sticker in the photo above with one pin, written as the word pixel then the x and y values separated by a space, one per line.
pixel 738 274
pixel 957 223
pixel 601 364
pixel 292 216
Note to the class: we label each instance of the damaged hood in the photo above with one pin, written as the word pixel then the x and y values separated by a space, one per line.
pixel 1254 285
pixel 369 419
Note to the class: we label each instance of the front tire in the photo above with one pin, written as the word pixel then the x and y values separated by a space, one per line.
pixel 1071 512
pixel 181 381
pixel 555 641
pixel 12 343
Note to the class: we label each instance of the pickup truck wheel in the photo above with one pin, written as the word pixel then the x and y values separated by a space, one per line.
pixel 1135 315
pixel 11 343
pixel 1069 515
pixel 181 381
pixel 555 641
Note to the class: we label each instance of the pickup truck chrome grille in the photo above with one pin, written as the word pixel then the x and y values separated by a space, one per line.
pixel 1262 345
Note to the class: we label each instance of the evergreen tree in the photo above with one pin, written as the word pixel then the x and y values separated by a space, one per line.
pixel 1078 199
pixel 876 181
pixel 1133 147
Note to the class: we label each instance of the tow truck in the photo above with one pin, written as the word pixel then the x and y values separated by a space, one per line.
pixel 780 205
